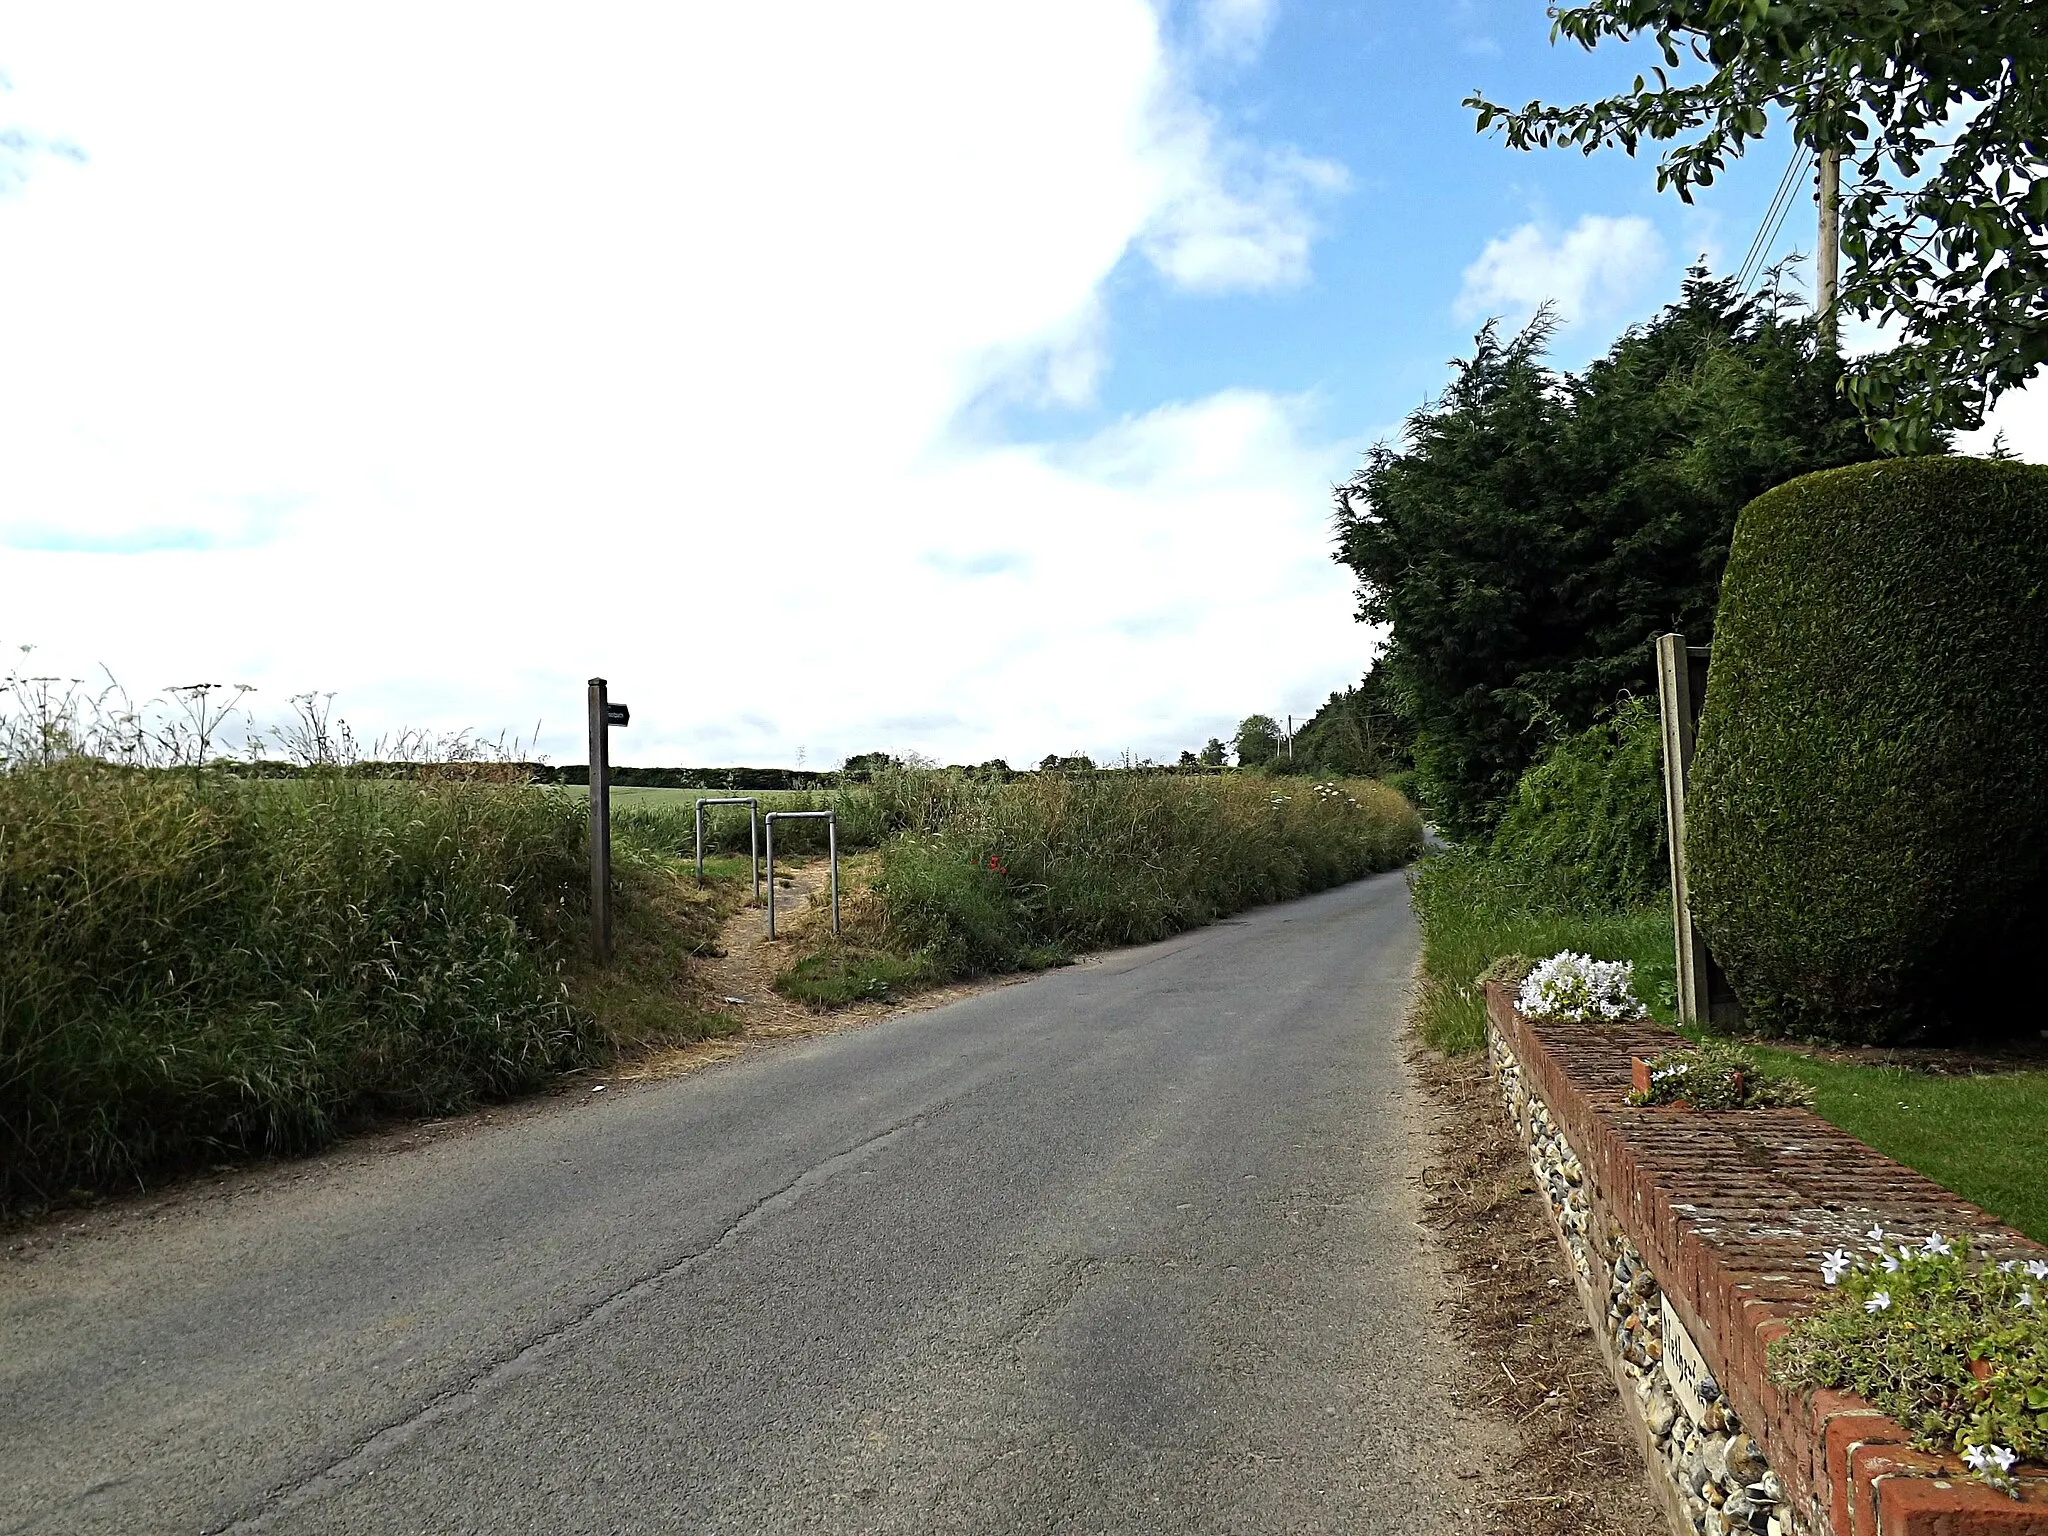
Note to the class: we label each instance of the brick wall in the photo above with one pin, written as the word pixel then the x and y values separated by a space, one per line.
pixel 1731 1213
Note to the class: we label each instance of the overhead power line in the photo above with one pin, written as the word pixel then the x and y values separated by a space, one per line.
pixel 1755 262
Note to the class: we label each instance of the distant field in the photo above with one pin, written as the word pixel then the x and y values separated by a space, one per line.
pixel 651 798
pixel 663 820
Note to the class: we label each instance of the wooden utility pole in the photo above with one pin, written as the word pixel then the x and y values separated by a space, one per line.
pixel 1704 995
pixel 1828 260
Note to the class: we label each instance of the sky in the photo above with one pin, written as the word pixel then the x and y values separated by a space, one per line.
pixel 960 380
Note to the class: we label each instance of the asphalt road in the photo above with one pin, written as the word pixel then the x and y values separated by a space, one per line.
pixel 1130 1247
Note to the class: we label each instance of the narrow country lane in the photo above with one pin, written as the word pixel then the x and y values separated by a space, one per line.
pixel 1131 1247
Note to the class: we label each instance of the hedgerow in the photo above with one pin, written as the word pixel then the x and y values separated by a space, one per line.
pixel 986 878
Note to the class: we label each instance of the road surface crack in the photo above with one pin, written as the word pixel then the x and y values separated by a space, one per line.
pixel 1074 1274
pixel 535 1356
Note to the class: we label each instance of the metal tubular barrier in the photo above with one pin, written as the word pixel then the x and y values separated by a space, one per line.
pixel 831 820
pixel 753 806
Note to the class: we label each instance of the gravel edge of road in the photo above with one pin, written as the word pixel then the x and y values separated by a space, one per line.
pixel 1531 1369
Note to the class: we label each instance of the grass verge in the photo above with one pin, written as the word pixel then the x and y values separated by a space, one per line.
pixel 834 977
pixel 1473 910
pixel 662 920
pixel 1985 1136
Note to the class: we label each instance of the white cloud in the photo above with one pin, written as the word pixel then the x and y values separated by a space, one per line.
pixel 1595 270
pixel 2021 416
pixel 446 364
pixel 1231 215
pixel 1232 29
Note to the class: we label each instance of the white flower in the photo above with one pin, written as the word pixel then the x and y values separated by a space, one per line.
pixel 1876 1235
pixel 1982 1458
pixel 1834 1262
pixel 1575 989
pixel 1935 1243
pixel 1891 1263
pixel 2026 1298
pixel 2038 1268
pixel 1879 1301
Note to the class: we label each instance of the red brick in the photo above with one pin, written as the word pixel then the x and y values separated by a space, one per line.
pixel 1870 1467
pixel 1917 1506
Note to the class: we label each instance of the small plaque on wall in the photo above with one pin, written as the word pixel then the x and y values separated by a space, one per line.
pixel 1684 1367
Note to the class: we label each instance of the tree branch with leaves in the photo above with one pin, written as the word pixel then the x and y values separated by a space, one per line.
pixel 1939 111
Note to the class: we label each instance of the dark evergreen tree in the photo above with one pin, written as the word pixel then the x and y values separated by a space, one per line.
pixel 1536 529
pixel 1359 732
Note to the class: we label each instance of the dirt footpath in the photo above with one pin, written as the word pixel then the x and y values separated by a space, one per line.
pixel 740 979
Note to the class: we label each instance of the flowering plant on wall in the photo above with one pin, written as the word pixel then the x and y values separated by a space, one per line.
pixel 1571 988
pixel 1952 1345
pixel 1717 1075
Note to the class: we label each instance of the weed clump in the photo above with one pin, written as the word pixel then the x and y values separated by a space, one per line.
pixel 1952 1345
pixel 836 978
pixel 1715 1075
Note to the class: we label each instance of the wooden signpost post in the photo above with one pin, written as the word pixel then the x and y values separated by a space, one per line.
pixel 603 716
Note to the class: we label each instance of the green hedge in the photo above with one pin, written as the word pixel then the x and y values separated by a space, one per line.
pixel 1585 826
pixel 1869 803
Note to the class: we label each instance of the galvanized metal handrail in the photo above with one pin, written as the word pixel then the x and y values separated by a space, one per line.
pixel 753 806
pixel 831 820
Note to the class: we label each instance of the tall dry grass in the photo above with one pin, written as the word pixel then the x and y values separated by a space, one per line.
pixel 978 878
pixel 196 965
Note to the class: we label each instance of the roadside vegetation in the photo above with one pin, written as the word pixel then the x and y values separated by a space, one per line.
pixel 1513 895
pixel 197 966
pixel 205 959
pixel 974 878
pixel 1867 820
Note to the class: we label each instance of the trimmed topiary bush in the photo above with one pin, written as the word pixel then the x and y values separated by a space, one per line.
pixel 1869 804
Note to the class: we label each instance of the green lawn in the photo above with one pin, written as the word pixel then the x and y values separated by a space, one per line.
pixel 1984 1137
